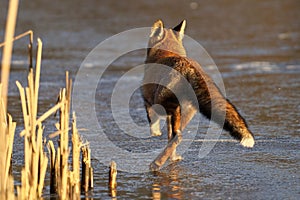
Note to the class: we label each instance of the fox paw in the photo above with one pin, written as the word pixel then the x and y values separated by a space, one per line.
pixel 155 129
pixel 156 133
pixel 154 167
pixel 176 157
pixel 248 142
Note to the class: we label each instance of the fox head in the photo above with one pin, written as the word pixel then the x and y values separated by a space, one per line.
pixel 165 39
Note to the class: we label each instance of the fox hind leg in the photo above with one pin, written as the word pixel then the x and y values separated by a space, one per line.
pixel 175 138
pixel 174 156
pixel 174 129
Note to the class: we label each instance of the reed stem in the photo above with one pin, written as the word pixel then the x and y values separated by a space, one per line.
pixel 7 50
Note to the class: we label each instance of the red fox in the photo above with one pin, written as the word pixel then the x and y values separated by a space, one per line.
pixel 165 48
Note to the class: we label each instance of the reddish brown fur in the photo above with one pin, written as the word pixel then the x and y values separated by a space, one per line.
pixel 165 48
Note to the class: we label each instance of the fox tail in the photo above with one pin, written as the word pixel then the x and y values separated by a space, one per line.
pixel 213 105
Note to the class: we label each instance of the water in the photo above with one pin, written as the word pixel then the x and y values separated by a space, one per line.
pixel 255 45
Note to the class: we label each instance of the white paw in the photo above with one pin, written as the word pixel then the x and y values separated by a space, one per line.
pixel 156 133
pixel 248 142
pixel 175 158
pixel 155 129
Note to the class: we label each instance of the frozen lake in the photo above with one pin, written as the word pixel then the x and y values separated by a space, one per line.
pixel 255 45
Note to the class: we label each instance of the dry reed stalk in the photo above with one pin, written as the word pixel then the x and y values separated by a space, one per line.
pixel 7 127
pixel 29 32
pixel 112 181
pixel 58 171
pixel 113 175
pixel 76 144
pixel 91 176
pixel 35 158
pixel 86 177
pixel 85 169
pixel 51 150
pixel 64 138
pixel 10 194
pixel 65 182
pixel 62 154
pixel 29 46
pixel 7 50
pixel 7 132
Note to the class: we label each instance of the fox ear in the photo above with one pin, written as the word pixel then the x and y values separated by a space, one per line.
pixel 180 29
pixel 157 29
